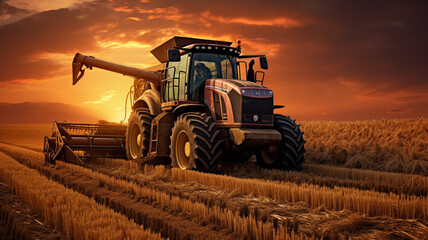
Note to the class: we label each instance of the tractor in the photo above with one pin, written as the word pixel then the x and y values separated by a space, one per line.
pixel 198 107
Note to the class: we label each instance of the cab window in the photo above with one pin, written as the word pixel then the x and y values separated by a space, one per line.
pixel 209 66
pixel 176 80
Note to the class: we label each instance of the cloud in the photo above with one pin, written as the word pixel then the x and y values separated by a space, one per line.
pixel 336 53
pixel 278 21
pixel 43 5
pixel 130 44
pixel 9 13
pixel 106 97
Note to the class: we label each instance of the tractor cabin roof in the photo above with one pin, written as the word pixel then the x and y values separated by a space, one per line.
pixel 161 52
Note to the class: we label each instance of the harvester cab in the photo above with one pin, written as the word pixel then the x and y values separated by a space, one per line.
pixel 189 66
pixel 204 104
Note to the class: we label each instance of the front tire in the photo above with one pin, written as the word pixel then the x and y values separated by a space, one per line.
pixel 289 155
pixel 138 134
pixel 195 143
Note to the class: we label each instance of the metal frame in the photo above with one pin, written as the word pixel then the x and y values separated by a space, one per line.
pixel 73 142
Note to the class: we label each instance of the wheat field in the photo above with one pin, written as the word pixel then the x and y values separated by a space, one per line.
pixel 362 180
pixel 384 145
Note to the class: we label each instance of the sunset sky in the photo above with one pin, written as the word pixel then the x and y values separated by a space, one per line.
pixel 328 60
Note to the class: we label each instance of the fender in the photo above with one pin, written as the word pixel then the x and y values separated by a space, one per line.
pixel 190 108
pixel 151 100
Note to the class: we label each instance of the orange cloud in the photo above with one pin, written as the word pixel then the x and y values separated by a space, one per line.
pixel 319 66
pixel 278 22
pixel 106 97
pixel 116 44
pixel 167 13
pixel 123 9
pixel 135 19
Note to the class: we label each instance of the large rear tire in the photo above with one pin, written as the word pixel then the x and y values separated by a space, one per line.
pixel 289 155
pixel 138 134
pixel 195 143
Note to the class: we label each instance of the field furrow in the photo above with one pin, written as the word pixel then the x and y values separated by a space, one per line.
pixel 315 174
pixel 197 189
pixel 172 216
pixel 334 176
pixel 77 216
pixel 18 221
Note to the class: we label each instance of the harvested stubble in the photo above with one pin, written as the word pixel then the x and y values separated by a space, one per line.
pixel 371 203
pixel 318 222
pixel 245 227
pixel 332 176
pixel 386 145
pixel 18 221
pixel 381 181
pixel 368 202
pixel 77 216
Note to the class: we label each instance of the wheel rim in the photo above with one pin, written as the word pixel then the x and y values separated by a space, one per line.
pixel 182 150
pixel 269 155
pixel 135 141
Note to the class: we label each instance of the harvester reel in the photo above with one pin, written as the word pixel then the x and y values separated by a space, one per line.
pixel 289 155
pixel 195 143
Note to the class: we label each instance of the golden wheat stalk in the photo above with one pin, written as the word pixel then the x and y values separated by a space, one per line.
pixel 75 215
pixel 387 145
pixel 227 219
pixel 368 202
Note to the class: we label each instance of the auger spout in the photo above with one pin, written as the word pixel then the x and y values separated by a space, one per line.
pixel 81 60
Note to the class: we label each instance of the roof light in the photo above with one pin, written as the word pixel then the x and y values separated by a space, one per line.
pixel 209 47
pixel 203 47
pixel 231 49
pixel 197 47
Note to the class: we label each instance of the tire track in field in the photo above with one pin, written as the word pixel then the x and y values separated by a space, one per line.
pixel 143 211
pixel 221 220
pixel 285 213
pixel 323 175
pixel 334 176
pixel 313 221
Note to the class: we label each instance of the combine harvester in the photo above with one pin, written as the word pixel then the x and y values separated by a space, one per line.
pixel 194 110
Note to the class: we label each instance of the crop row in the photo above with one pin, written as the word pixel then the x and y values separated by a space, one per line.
pixel 159 177
pixel 368 202
pixel 224 218
pixel 18 221
pixel 332 176
pixel 77 216
pixel 371 203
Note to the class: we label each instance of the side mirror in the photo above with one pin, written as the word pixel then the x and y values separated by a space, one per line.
pixel 263 62
pixel 173 55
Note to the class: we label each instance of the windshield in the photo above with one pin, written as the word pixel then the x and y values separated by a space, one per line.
pixel 219 65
